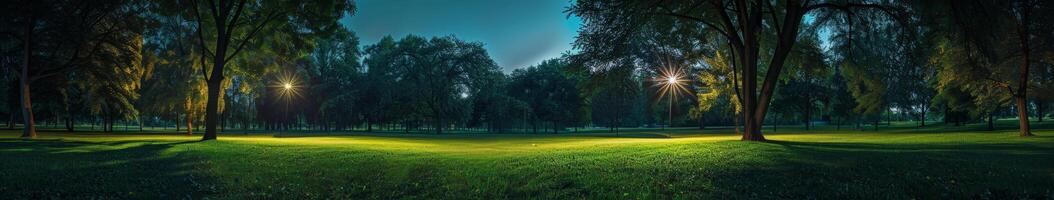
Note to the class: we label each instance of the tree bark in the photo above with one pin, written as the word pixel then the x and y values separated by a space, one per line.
pixel 775 123
pixel 922 119
pixel 11 119
pixel 787 37
pixel 1022 113
pixel 1022 89
pixel 735 122
pixel 29 129
pixel 808 116
pixel 190 124
pixel 69 123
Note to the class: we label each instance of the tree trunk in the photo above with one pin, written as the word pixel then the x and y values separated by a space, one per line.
pixel 211 106
pixel 785 42
pixel 1039 111
pixel 991 126
pixel 11 119
pixel 1020 97
pixel 702 123
pixel 838 124
pixel 807 117
pixel 735 122
pixel 922 119
pixel 889 117
pixel 215 77
pixel 69 123
pixel 876 123
pixel 190 124
pixel 1022 114
pixel 223 121
pixel 439 126
pixel 29 129
pixel 369 127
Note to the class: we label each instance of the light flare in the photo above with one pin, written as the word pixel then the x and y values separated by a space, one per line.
pixel 671 81
pixel 288 87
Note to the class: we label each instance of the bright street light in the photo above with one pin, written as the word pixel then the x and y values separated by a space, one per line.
pixel 671 84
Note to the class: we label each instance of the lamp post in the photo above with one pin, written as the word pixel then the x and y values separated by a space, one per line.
pixel 672 80
pixel 671 84
pixel 287 94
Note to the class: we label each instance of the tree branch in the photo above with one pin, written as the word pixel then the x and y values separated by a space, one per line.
pixel 201 40
pixel 847 7
pixel 693 18
pixel 259 27
pixel 772 13
pixel 234 20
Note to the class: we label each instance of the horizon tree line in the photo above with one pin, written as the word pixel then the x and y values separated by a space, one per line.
pixel 262 65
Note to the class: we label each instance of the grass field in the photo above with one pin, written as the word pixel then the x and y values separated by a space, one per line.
pixel 938 162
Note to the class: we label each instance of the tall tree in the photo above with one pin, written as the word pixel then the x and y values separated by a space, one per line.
pixel 551 94
pixel 379 82
pixel 335 71
pixel 63 37
pixel 227 28
pixel 434 78
pixel 979 57
pixel 610 27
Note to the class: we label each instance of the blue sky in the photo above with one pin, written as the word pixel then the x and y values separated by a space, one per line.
pixel 516 33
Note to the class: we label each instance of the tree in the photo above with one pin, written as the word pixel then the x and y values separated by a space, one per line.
pixel 173 89
pixel 804 85
pixel 842 101
pixel 226 28
pixel 610 27
pixel 718 85
pixel 871 64
pixel 987 48
pixel 550 93
pixel 434 78
pixel 334 72
pixel 69 39
pixel 378 82
pixel 615 97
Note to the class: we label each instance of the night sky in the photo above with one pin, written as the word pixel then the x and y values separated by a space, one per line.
pixel 516 33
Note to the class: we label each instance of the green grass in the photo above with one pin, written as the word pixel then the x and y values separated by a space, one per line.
pixel 895 163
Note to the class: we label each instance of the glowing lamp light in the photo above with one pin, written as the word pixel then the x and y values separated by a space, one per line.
pixel 287 87
pixel 670 83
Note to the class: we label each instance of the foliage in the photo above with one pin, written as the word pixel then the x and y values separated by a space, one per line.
pixel 550 94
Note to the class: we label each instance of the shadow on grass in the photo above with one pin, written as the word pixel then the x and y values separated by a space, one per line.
pixel 1001 126
pixel 55 169
pixel 798 170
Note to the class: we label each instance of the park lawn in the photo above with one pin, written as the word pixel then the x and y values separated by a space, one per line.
pixel 893 163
